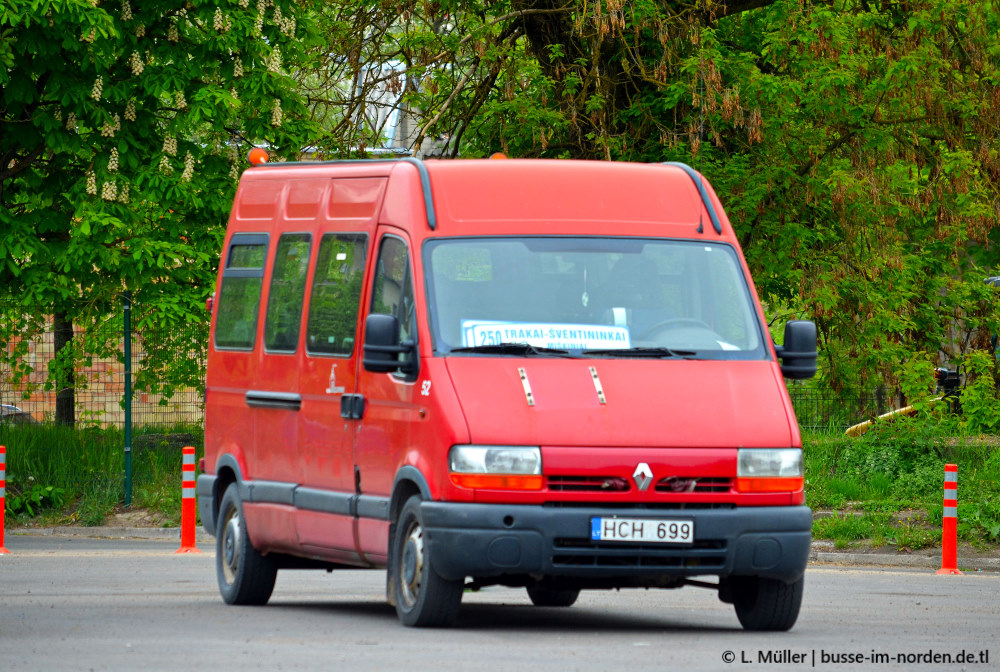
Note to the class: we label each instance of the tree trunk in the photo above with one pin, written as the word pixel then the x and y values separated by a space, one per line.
pixel 62 330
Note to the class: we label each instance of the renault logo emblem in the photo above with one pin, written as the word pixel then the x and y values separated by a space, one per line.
pixel 642 476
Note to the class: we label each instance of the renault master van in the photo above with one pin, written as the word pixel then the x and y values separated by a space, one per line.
pixel 546 375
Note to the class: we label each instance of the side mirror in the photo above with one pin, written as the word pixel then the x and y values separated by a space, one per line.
pixel 798 354
pixel 383 347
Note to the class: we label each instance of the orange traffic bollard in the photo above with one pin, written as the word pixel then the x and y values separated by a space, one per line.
pixel 188 523
pixel 3 494
pixel 949 522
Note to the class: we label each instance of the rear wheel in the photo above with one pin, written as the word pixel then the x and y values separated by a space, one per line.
pixel 546 597
pixel 422 597
pixel 766 604
pixel 245 576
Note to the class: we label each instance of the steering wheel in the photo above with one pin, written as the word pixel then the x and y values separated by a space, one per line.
pixel 674 323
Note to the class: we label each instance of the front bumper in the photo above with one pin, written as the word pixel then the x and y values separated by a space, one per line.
pixel 205 493
pixel 490 541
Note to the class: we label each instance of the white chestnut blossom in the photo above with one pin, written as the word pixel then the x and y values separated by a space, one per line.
pixel 188 167
pixel 136 62
pixel 274 60
pixel 276 113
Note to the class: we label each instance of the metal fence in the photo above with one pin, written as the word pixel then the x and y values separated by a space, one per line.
pixel 99 386
pixel 820 409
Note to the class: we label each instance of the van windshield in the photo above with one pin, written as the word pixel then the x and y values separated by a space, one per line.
pixel 592 297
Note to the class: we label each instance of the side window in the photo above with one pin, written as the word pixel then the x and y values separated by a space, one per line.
pixel 393 291
pixel 336 294
pixel 288 284
pixel 239 296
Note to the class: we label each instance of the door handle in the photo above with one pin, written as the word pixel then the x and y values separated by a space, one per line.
pixel 352 406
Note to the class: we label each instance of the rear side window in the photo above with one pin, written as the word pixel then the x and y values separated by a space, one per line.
pixel 239 296
pixel 336 294
pixel 288 284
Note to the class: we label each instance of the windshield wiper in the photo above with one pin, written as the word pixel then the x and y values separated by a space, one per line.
pixel 514 349
pixel 653 353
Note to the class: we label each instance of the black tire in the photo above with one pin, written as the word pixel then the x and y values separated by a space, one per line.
pixel 766 604
pixel 546 597
pixel 422 597
pixel 245 576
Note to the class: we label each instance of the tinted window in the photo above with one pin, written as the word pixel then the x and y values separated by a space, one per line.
pixel 239 296
pixel 288 283
pixel 336 294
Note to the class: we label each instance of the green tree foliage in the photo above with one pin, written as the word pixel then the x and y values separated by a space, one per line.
pixel 854 144
pixel 429 66
pixel 123 127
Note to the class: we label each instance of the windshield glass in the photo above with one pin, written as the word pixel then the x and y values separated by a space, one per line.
pixel 590 296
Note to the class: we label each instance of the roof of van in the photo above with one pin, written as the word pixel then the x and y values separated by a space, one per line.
pixel 521 190
pixel 516 195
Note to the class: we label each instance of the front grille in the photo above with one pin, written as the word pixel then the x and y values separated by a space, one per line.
pixel 588 484
pixel 686 484
pixel 582 552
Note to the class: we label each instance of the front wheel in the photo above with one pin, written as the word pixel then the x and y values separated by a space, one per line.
pixel 422 597
pixel 766 604
pixel 245 576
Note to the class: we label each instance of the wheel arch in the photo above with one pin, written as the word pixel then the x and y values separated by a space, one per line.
pixel 227 471
pixel 409 481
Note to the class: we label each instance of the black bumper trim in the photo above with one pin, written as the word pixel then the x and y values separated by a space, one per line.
pixel 205 496
pixel 493 540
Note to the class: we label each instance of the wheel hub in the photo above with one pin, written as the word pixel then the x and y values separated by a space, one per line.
pixel 230 548
pixel 411 565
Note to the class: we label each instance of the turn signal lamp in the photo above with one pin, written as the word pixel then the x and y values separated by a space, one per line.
pixel 257 156
pixel 769 470
pixel 498 155
pixel 496 467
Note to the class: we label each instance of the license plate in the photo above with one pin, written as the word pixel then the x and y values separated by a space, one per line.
pixel 642 530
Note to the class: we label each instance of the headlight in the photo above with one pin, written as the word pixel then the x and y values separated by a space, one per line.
pixel 496 467
pixel 769 470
